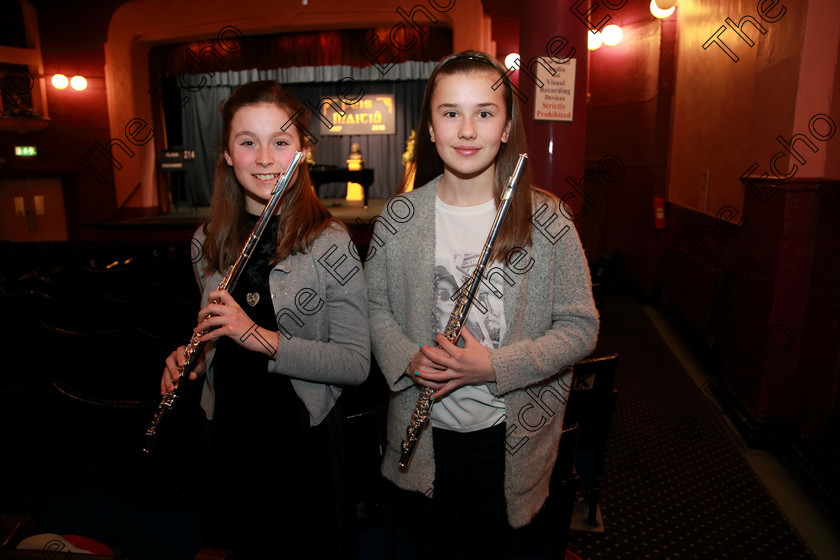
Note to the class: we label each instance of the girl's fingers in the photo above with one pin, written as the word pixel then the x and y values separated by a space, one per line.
pixel 171 373
pixel 435 356
pixel 210 322
pixel 221 296
pixel 442 392
pixel 166 383
pixel 438 376
pixel 212 310
pixel 424 382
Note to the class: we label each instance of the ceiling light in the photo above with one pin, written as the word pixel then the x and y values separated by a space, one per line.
pixel 659 10
pixel 510 60
pixel 60 81
pixel 612 35
pixel 78 83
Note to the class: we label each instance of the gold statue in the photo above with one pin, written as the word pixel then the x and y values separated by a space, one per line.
pixel 355 162
pixel 407 157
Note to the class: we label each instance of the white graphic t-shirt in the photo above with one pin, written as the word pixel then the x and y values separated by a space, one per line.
pixel 460 234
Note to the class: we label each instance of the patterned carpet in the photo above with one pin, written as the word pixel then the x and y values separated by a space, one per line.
pixel 675 484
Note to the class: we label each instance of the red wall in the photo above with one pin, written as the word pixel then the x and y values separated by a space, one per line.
pixel 72 37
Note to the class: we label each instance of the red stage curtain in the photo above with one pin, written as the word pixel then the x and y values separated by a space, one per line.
pixel 285 50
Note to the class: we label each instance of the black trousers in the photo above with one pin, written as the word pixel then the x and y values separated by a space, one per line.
pixel 467 516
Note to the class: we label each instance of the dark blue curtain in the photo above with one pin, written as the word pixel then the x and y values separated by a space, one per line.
pixel 201 122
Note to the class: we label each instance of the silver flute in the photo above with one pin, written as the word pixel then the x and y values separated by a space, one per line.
pixel 458 317
pixel 193 350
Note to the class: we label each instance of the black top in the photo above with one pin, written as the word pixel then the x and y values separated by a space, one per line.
pixel 245 390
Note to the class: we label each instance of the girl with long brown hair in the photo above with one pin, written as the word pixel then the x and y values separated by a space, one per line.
pixel 280 346
pixel 477 471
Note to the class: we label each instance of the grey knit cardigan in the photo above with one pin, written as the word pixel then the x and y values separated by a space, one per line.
pixel 551 323
pixel 321 310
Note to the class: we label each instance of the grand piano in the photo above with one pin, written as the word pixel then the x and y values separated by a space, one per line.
pixel 323 174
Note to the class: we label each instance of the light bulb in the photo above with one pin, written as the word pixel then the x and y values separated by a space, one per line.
pixel 78 83
pixel 60 81
pixel 612 35
pixel 510 59
pixel 659 11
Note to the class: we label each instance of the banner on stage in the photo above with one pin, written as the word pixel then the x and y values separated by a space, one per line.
pixel 555 100
pixel 372 114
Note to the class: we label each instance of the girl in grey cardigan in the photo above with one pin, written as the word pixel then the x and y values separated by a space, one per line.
pixel 484 464
pixel 280 346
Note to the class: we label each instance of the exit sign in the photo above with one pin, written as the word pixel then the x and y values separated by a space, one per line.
pixel 26 151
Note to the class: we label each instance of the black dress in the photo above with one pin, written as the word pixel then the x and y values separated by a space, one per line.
pixel 274 482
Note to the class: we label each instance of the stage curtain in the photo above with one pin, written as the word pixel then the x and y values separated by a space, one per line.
pixel 201 120
pixel 191 79
pixel 288 50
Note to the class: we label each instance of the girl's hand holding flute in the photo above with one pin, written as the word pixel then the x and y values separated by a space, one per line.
pixel 446 367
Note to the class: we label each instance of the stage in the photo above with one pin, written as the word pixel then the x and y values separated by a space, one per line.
pixel 184 219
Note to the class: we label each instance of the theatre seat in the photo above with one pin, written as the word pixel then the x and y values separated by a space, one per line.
pixel 591 405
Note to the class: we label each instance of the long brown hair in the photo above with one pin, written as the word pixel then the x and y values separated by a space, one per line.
pixel 515 230
pixel 304 216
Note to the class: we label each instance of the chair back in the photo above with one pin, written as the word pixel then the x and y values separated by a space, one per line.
pixel 591 406
pixel 592 398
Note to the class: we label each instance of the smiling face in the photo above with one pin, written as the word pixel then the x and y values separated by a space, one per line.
pixel 260 151
pixel 468 123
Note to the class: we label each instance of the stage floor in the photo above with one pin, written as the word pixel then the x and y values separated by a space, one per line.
pixel 346 211
pixel 349 211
